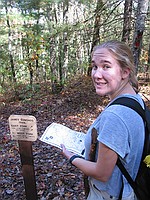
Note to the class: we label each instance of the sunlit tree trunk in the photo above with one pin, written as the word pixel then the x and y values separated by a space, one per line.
pixel 142 10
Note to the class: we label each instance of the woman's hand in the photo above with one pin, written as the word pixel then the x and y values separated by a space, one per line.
pixel 65 152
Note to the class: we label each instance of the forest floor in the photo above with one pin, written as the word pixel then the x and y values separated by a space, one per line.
pixel 76 106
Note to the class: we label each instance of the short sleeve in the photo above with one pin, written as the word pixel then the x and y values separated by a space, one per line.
pixel 114 133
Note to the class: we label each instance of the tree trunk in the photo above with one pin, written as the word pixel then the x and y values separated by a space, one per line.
pixel 96 38
pixel 63 44
pixel 38 47
pixel 61 60
pixel 30 65
pixel 37 67
pixel 142 10
pixel 148 66
pixel 127 21
pixel 10 46
pixel 149 55
pixel 31 74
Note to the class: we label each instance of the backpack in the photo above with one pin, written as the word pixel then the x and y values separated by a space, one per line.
pixel 141 185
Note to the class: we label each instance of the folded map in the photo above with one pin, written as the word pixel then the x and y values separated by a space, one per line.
pixel 57 134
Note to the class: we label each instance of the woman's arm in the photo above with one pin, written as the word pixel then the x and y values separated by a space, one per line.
pixel 100 170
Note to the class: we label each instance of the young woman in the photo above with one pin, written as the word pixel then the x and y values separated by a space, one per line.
pixel 120 129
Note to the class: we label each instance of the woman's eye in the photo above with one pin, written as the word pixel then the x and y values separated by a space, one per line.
pixel 106 66
pixel 94 67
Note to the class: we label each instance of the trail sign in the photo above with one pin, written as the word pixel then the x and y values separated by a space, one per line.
pixel 23 127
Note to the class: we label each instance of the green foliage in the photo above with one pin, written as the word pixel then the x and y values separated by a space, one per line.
pixel 21 92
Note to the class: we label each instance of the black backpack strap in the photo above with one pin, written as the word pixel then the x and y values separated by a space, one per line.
pixel 127 176
pixel 133 104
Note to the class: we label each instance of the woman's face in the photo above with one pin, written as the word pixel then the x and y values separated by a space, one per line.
pixel 107 75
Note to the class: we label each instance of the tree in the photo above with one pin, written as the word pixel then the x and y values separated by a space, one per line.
pixel 52 39
pixel 127 21
pixel 10 42
pixel 148 65
pixel 96 37
pixel 142 10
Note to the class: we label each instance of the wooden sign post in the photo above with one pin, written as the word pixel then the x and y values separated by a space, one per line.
pixel 24 129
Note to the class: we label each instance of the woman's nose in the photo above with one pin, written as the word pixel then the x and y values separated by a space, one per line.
pixel 97 73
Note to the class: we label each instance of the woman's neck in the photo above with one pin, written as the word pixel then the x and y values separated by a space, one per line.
pixel 125 89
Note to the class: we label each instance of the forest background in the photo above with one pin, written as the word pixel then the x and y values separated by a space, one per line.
pixel 45 49
pixel 52 40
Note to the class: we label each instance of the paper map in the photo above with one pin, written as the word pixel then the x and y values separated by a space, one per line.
pixel 57 134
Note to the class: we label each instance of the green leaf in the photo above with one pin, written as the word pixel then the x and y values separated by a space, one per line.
pixel 147 160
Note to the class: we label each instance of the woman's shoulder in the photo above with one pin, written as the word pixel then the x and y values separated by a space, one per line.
pixel 136 97
pixel 120 111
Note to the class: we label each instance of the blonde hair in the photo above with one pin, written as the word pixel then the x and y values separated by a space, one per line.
pixel 123 55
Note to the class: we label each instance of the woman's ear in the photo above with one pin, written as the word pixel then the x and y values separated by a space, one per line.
pixel 125 73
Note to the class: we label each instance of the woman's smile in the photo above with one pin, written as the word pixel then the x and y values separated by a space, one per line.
pixel 100 84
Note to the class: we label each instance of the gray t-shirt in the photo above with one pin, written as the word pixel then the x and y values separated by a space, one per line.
pixel 122 130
